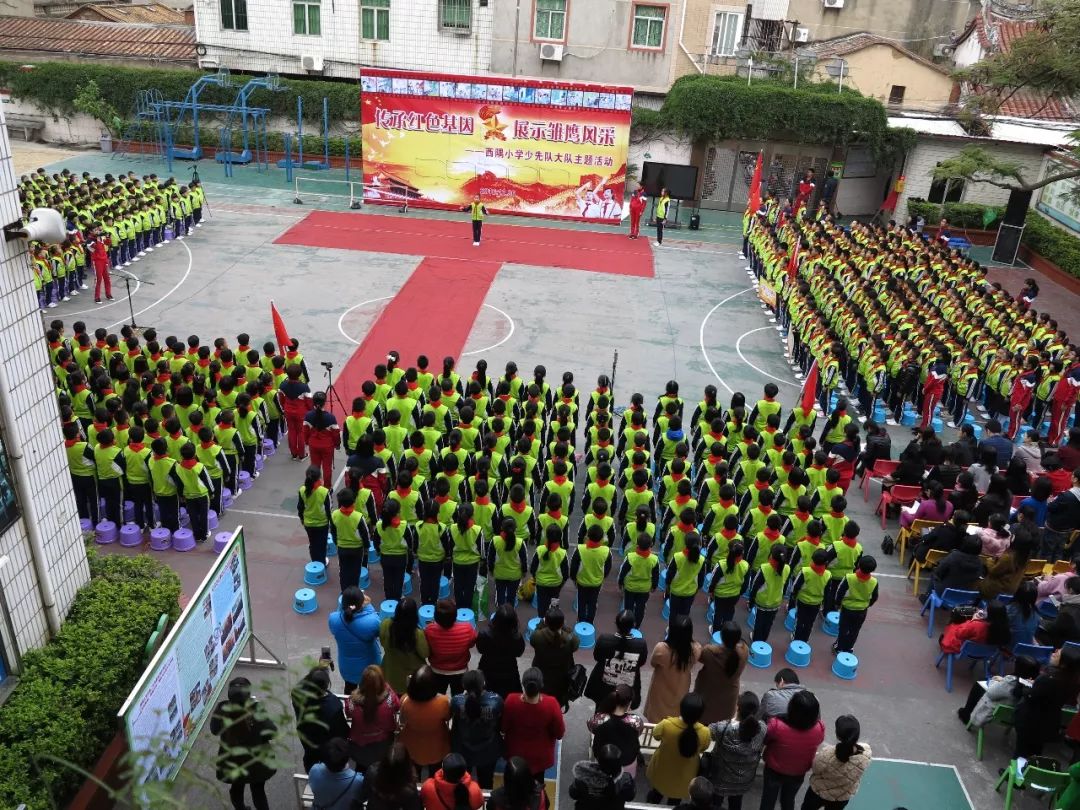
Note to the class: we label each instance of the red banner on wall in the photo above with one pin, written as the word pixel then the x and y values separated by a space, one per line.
pixel 524 146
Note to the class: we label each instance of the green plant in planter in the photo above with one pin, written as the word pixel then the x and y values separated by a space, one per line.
pixel 88 99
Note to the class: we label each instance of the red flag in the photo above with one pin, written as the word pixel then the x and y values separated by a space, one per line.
pixel 754 203
pixel 809 389
pixel 793 260
pixel 280 332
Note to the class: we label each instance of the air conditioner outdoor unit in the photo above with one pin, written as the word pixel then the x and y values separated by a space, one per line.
pixel 312 63
pixel 551 52
pixel 944 49
pixel 802 34
pixel 834 3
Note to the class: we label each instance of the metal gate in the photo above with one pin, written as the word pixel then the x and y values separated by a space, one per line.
pixel 728 171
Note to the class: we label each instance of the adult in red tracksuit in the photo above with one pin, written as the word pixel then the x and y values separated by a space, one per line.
pixel 322 435
pixel 99 255
pixel 1061 403
pixel 637 208
pixel 296 398
pixel 1023 389
pixel 933 389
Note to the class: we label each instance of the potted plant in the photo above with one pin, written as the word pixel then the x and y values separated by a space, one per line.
pixel 88 99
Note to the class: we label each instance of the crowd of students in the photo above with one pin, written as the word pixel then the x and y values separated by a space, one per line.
pixel 111 222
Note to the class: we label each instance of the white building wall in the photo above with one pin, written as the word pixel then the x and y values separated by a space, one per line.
pixel 928 152
pixel 416 40
pixel 33 407
pixel 968 52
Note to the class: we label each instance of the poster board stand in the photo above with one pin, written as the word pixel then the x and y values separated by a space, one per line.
pixel 251 660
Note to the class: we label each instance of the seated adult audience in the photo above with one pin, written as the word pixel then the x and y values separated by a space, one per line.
pixel 1066 625
pixel 601 783
pixel 1030 452
pixel 961 568
pixel 989 627
pixel 982 469
pixel 946 472
pixel 1060 479
pixel 1054 585
pixel 996 537
pixel 1005 574
pixel 933 506
pixel 1003 690
pixel 1037 719
pixel 1062 519
pixel 334 784
pixel 965 448
pixel 944 538
pixel 997 499
pixel 878 446
pixel 1038 501
pixel 992 439
pixel 775 701
pixel 1069 453
pixel 1023 618
pixel 964 495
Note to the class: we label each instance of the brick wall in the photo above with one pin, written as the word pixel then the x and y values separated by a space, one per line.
pixel 33 407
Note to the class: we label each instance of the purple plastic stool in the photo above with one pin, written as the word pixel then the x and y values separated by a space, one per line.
pixel 160 539
pixel 130 535
pixel 185 521
pixel 211 520
pixel 226 498
pixel 243 478
pixel 183 540
pixel 105 532
pixel 260 462
pixel 86 525
pixel 268 448
pixel 129 511
pixel 221 539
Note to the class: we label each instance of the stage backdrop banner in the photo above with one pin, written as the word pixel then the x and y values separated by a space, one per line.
pixel 526 147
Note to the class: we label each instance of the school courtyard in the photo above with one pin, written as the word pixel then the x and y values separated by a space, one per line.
pixel 537 292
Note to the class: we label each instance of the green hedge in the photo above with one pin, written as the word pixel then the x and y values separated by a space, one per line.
pixel 69 691
pixel 1053 243
pixel 53 85
pixel 210 137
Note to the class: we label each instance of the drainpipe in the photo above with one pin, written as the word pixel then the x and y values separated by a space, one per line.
pixel 31 519
pixel 682 27
pixel 517 36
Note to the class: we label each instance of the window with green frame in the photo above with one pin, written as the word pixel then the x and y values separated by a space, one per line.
pixel 455 14
pixel 648 26
pixel 550 20
pixel 234 15
pixel 306 17
pixel 375 19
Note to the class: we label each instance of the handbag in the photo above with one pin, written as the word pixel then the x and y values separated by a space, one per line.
pixel 576 679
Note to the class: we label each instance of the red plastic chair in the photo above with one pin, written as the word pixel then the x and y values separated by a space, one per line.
pixel 881 469
pixel 901 495
pixel 1017 500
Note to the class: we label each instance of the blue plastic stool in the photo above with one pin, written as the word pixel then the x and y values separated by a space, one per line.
pixel 937 424
pixel 716 639
pixel 710 611
pixel 831 625
pixel 845 666
pixel 315 574
pixel 586 634
pixel 751 617
pixel 665 611
pixel 387 609
pixel 798 654
pixel 466 615
pixel 908 418
pixel 879 413
pixel 978 430
pixel 635 633
pixel 373 555
pixel 365 579
pixel 969 418
pixel 789 622
pixel 406 586
pixel 304 601
pixel 760 655
pixel 663 581
pixel 427 615
pixel 444 587
pixel 331 548
pixel 534 622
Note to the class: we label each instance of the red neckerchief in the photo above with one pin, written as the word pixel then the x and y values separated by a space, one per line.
pixel 188 463
pixel 639 489
pixel 79 388
pixel 518 507
pixel 681 499
pixel 775 564
pixel 379 447
pixel 678 476
pixel 441 499
pixel 729 534
pixel 136 446
pixel 592 544
pixel 194 350
pixel 859 575
pixel 207 445
pixel 717 436
pixel 404 492
pixel 347 510
pixel 603 443
pixel 765 510
pixel 601 482
pixel 553 546
pixel 787 467
pixel 99 426
pixel 204 362
pixel 768 399
pixel 161 457
pixel 726 504
pixel 153 436
pixel 131 352
pixel 685 527
pixel 760 485
pixel 850 542
pixel 101 344
pixel 715 460
pixel 559 479
pixel 819 569
pixel 556 515
pixel 412 386
pixel 178 435
pixel 395 521
pixel 159 400
pixel 772 534
pixel 71 442
pixel 483 500
pixel 646 553
pixel 836 514
pixel 802 515
pixel 814 541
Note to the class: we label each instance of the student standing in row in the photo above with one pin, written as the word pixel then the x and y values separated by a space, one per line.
pixel 477 212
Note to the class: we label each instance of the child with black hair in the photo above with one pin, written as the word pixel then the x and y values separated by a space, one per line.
pixel 601 784
pixel 855 594
pixel 766 590
pixel 640 573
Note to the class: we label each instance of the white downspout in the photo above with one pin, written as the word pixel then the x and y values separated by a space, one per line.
pixel 29 510
pixel 682 27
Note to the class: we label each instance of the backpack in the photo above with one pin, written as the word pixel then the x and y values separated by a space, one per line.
pixel 378 483
pixel 575 682
pixel 887 545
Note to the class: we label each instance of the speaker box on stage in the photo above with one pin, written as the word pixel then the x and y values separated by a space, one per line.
pixel 695 222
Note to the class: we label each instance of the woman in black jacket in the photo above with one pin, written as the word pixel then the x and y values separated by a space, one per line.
pixel 320 714
pixel 1038 714
pixel 618 657
pixel 997 500
pixel 246 748
pixel 390 784
pixel 500 646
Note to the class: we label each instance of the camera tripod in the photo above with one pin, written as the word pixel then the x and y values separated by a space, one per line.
pixel 332 396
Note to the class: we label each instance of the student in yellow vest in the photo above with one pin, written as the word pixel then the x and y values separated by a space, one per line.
pixel 351 537
pixel 432 553
pixel 550 568
pixel 213 458
pixel 685 575
pixel 767 591
pixel 313 509
pixel 508 562
pixel 395 540
pixel 843 558
pixel 765 407
pixel 137 478
pixel 660 212
pixel 110 463
pixel 166 484
pixel 554 514
pixel 477 212
pixel 639 576
pixel 729 580
pixel 410 499
pixel 467 546
pixel 855 594
pixel 196 490
pixel 83 473
pixel 589 568
pixel 808 592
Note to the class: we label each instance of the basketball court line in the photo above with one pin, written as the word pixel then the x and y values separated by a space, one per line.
pixel 701 337
pixel 738 350
pixel 175 287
